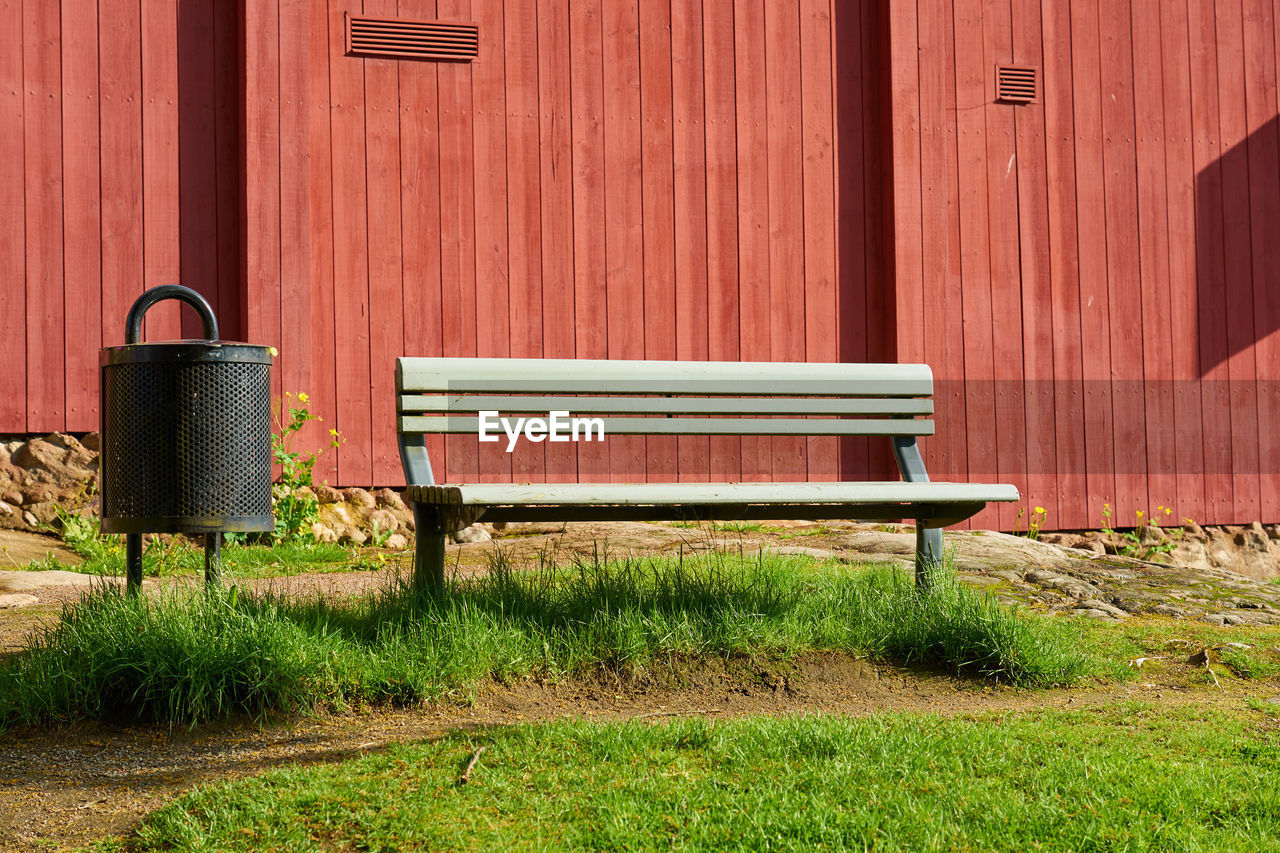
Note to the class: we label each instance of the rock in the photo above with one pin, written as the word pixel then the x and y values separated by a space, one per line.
pixel 336 515
pixel 30 520
pixel 1223 619
pixel 326 494
pixel 92 442
pixel 323 534
pixel 388 499
pixel 359 497
pixel 385 520
pixel 1169 610
pixel 1194 530
pixel 1109 609
pixel 5 509
pixel 1092 613
pixel 16 599
pixel 39 493
pixel 12 497
pixel 1192 554
pixel 352 536
pixel 396 542
pixel 44 513
pixel 474 533
pixel 1254 538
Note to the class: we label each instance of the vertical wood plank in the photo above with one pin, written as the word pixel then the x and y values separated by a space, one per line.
pixel 689 168
pixel 1064 271
pixel 904 52
pixel 260 242
pixel 386 253
pixel 1091 235
pixel 160 206
pixel 849 110
pixel 972 70
pixel 82 240
pixel 120 82
pixel 1210 265
pixel 1184 327
pixel 458 212
pixel 723 322
pixel 587 142
pixel 350 256
pixel 1006 301
pixel 784 140
pixel 295 297
pixel 817 149
pixel 197 160
pixel 232 304
pixel 489 136
pixel 13 260
pixel 1036 278
pixel 937 316
pixel 624 203
pixel 1153 260
pixel 555 164
pixel 1237 251
pixel 42 126
pixel 1264 211
pixel 524 207
pixel 656 163
pixel 420 142
pixel 321 256
pixel 753 211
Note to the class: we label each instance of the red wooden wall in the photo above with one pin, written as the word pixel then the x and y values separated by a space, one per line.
pixel 607 180
pixel 1095 277
pixel 118 135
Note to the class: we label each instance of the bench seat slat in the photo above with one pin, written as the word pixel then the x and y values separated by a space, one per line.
pixel 588 376
pixel 660 494
pixel 669 405
pixel 691 426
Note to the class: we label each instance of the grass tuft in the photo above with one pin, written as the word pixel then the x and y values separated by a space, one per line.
pixel 181 657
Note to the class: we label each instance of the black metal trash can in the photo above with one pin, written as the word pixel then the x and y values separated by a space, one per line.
pixel 186 434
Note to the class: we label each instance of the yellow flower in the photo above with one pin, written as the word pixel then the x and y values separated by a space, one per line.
pixel 333 432
pixel 303 398
pixel 1141 513
pixel 1040 510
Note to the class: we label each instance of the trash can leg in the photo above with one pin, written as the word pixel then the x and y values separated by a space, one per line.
pixel 132 563
pixel 212 559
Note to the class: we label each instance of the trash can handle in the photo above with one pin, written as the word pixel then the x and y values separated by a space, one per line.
pixel 133 330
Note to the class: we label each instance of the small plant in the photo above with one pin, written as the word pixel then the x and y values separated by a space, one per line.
pixel 296 509
pixel 380 536
pixel 1137 542
pixel 1034 524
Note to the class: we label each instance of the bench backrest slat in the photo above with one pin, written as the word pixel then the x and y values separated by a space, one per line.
pixel 442 395
pixel 691 426
pixel 584 376
pixel 471 403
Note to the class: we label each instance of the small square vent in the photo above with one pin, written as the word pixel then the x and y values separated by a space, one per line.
pixel 392 38
pixel 1017 84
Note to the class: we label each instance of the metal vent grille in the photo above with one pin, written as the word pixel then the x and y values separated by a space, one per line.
pixel 401 39
pixel 1017 84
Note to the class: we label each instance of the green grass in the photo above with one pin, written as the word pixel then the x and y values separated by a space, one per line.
pixel 188 656
pixel 184 559
pixel 1126 776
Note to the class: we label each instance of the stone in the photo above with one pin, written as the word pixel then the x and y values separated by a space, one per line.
pixel 389 499
pixel 474 533
pixel 5 509
pixel 1254 538
pixel 30 520
pixel 396 542
pixel 1095 604
pixel 326 494
pixel 359 497
pixel 1092 613
pixel 92 442
pixel 324 534
pixel 1223 619
pixel 336 515
pixel 352 536
pixel 385 520
pixel 12 497
pixel 17 599
pixel 38 493
pixel 44 513
pixel 1169 610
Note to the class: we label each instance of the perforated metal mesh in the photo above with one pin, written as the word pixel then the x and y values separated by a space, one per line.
pixel 186 447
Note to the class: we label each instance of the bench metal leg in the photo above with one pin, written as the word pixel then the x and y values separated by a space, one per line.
pixel 928 554
pixel 428 552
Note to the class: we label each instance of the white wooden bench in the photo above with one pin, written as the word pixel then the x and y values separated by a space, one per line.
pixel 447 395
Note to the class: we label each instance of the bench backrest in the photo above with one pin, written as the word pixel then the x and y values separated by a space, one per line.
pixel 446 395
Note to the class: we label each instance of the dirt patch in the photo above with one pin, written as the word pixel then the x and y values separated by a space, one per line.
pixel 70 785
